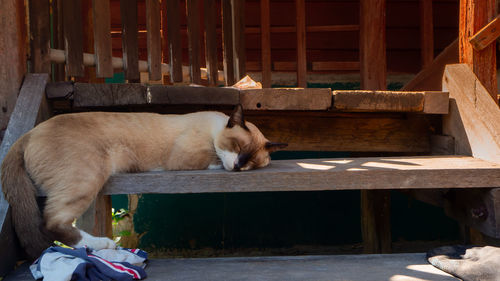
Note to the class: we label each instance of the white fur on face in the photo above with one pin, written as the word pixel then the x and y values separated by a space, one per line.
pixel 96 243
pixel 228 158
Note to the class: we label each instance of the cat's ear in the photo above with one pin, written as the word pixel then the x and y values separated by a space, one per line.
pixel 236 118
pixel 273 146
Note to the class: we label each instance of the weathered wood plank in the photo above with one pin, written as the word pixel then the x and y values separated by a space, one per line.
pixel 193 30
pixel 426 33
pixel 436 102
pixel 286 99
pixel 23 118
pixel 58 31
pixel 192 95
pixel 102 37
pixel 486 35
pixel 91 95
pixel 40 35
pixel 128 12
pixel 174 40
pixel 211 42
pixel 73 37
pixel 320 174
pixel 227 38
pixel 334 267
pixel 153 39
pixel 238 36
pixel 474 15
pixel 265 26
pixel 300 23
pixel 473 116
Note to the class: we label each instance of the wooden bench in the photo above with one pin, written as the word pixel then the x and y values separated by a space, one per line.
pixel 468 133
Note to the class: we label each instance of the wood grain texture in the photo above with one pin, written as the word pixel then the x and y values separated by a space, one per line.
pixel 73 37
pixel 92 95
pixel 58 31
pixel 227 38
pixel 153 25
pixel 486 35
pixel 373 101
pixel 320 174
pixel 300 23
pixel 238 25
pixel 436 102
pixel 426 32
pixel 40 35
pixel 192 95
pixel 265 37
pixel 376 226
pixel 286 99
pixel 474 15
pixel 211 41
pixel 97 218
pixel 372 48
pixel 431 77
pixel 102 37
pixel 174 40
pixel 472 114
pixel 23 119
pixel 128 12
pixel 193 31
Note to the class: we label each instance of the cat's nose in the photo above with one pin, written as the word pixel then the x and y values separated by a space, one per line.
pixel 236 167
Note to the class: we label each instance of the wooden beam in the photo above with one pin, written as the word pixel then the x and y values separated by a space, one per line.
pixel 238 24
pixel 472 115
pixel 426 33
pixel 486 35
pixel 73 37
pixel 474 15
pixel 102 37
pixel 40 35
pixel 174 40
pixel 23 119
pixel 265 26
pixel 300 12
pixel 286 99
pixel 320 174
pixel 153 39
pixel 211 41
pixel 128 12
pixel 335 65
pixel 227 38
pixel 193 29
pixel 431 77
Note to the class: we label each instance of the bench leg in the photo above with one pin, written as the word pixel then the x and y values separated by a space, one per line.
pixel 376 221
pixel 97 219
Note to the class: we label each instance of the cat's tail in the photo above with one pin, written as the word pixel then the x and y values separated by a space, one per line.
pixel 21 195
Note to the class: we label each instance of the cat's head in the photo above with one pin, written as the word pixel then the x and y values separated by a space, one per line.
pixel 241 146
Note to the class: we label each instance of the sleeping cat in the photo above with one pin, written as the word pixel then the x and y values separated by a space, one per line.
pixel 71 156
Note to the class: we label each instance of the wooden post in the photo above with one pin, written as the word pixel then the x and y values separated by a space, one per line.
pixel 238 19
pixel 211 41
pixel 97 219
pixel 40 35
pixel 265 27
pixel 193 29
pixel 227 38
pixel 426 33
pixel 73 37
pixel 375 204
pixel 300 9
pixel 128 11
pixel 174 40
pixel 474 15
pixel 153 39
pixel 58 31
pixel 102 37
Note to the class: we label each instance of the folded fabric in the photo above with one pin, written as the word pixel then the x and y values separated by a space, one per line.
pixel 468 263
pixel 83 264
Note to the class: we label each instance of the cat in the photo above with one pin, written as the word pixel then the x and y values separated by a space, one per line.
pixel 71 156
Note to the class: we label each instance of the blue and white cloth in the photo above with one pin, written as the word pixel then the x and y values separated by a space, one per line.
pixel 84 264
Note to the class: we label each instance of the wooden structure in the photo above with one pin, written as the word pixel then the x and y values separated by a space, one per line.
pixel 452 147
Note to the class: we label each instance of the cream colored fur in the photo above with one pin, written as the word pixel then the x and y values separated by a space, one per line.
pixel 71 156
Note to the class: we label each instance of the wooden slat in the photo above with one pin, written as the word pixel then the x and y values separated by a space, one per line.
pixel 238 23
pixel 475 14
pixel 486 35
pixel 174 40
pixel 265 25
pixel 193 30
pixel 426 33
pixel 211 41
pixel 40 35
pixel 300 10
pixel 102 37
pixel 192 95
pixel 320 174
pixel 153 39
pixel 73 37
pixel 310 28
pixel 286 99
pixel 128 12
pixel 58 31
pixel 23 119
pixel 285 65
pixel 335 65
pixel 92 95
pixel 227 38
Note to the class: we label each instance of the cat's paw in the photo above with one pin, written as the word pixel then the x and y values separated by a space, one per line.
pixel 96 243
